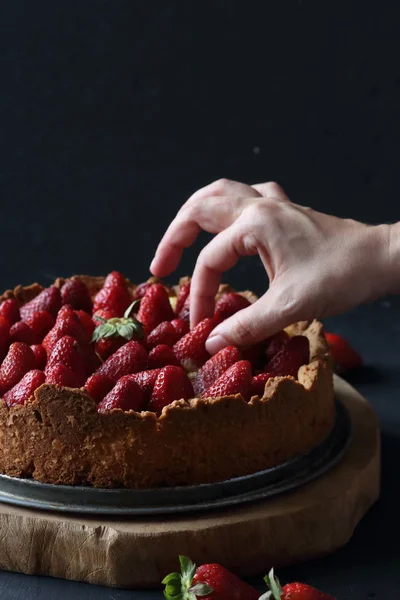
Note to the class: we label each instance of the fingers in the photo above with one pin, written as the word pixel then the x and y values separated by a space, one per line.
pixel 270 189
pixel 206 209
pixel 212 214
pixel 220 255
pixel 251 325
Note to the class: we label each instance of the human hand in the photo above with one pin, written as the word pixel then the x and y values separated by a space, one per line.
pixel 318 265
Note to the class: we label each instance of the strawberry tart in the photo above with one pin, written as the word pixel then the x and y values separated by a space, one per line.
pixel 103 383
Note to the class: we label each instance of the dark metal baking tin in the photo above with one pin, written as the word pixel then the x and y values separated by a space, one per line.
pixel 184 499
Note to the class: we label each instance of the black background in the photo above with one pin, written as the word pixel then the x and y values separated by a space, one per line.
pixel 113 112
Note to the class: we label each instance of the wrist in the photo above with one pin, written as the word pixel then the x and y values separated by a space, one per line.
pixel 386 257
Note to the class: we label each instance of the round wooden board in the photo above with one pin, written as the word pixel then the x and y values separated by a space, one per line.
pixel 312 521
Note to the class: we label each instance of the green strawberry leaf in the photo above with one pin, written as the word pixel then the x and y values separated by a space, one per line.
pixel 130 308
pixel 126 330
pixel 188 568
pixel 275 587
pixel 104 331
pixel 201 589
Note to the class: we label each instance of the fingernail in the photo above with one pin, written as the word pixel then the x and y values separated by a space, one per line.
pixel 215 343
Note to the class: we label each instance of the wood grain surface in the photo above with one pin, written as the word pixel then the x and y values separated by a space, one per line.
pixel 315 520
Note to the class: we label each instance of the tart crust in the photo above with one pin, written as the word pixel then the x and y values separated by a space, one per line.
pixel 59 437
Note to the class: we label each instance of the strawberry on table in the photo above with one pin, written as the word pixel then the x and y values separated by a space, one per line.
pixel 59 374
pixel 344 356
pixel 67 352
pixel 291 591
pixel 154 307
pixel 236 380
pixel 130 358
pixel 190 350
pixel 75 293
pixel 126 395
pixel 211 581
pixel 291 356
pixel 9 309
pixel 24 389
pixel 229 304
pixel 214 368
pixel 49 299
pixel 19 360
pixel 114 295
pixel 160 356
pixel 171 384
pixel 98 386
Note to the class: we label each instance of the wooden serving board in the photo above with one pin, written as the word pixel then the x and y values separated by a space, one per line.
pixel 312 521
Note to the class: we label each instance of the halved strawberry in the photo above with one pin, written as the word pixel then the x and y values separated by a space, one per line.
pixel 214 368
pixel 236 380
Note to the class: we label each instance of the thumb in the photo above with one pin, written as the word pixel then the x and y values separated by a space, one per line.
pixel 252 324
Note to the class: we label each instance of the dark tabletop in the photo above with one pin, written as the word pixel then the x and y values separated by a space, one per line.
pixel 113 112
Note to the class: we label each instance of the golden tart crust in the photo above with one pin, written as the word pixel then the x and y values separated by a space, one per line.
pixel 59 437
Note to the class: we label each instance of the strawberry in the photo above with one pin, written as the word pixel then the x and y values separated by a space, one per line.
pixel 105 347
pixel 19 360
pixel 40 356
pixel 130 358
pixel 114 295
pixel 254 354
pixel 126 395
pixel 164 333
pixel 67 323
pixel 291 591
pixel 101 315
pixel 183 294
pixel 275 343
pixel 184 312
pixel 21 332
pixel 146 381
pixel 75 293
pixel 344 356
pixel 229 304
pixel 4 336
pixel 258 382
pixel 154 307
pixel 90 358
pixel 40 322
pixel 49 299
pixel 24 389
pixel 191 349
pixel 9 309
pixel 161 356
pixel 236 380
pixel 141 289
pixel 211 581
pixel 181 327
pixel 66 352
pixel 87 322
pixel 171 384
pixel 59 374
pixel 214 368
pixel 98 386
pixel 289 359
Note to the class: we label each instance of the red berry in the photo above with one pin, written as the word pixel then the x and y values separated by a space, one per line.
pixel 191 349
pixel 114 295
pixel 4 336
pixel 75 293
pixel 59 374
pixel 87 322
pixel 40 356
pixel 66 352
pixel 126 395
pixel 49 299
pixel 289 359
pixel 107 346
pixel 9 309
pixel 344 356
pixel 160 356
pixel 67 323
pixel 19 360
pixel 164 333
pixel 21 332
pixel 154 307
pixel 275 343
pixel 181 327
pixel 101 315
pixel 258 384
pixel 141 289
pixel 24 389
pixel 229 304
pixel 214 368
pixel 98 386
pixel 40 322
pixel 130 358
pixel 183 294
pixel 224 584
pixel 170 385
pixel 146 381
pixel 236 380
